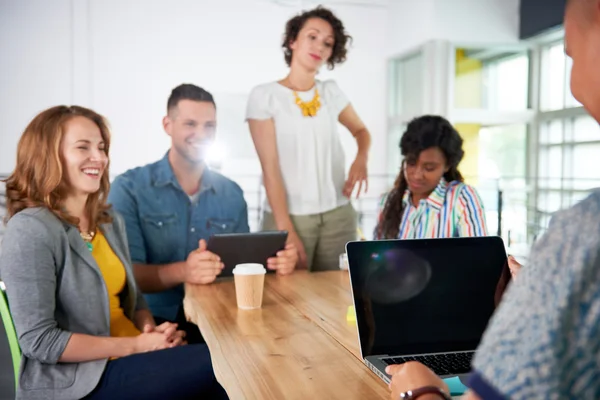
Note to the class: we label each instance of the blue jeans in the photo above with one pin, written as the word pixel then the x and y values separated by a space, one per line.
pixel 183 372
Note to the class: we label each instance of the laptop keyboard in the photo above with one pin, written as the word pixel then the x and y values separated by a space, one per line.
pixel 441 364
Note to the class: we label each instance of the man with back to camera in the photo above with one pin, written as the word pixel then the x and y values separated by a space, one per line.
pixel 171 207
pixel 542 341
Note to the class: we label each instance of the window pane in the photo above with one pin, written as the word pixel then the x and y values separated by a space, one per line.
pixel 585 166
pixel 553 77
pixel 488 80
pixel 586 129
pixel 468 81
pixel 407 86
pixel 551 132
pixel 549 202
pixel 502 164
pixel 550 167
pixel 512 84
pixel 502 151
pixel 570 101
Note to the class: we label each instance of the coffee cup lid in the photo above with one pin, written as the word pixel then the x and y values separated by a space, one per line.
pixel 249 269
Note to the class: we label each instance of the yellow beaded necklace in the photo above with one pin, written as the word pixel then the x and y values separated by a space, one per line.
pixel 309 108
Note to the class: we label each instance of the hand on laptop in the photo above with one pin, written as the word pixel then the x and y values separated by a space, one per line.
pixel 514 266
pixel 286 260
pixel 202 266
pixel 413 375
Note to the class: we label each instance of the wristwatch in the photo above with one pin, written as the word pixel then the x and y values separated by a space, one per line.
pixel 416 393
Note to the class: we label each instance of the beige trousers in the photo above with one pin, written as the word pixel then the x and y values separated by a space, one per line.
pixel 324 235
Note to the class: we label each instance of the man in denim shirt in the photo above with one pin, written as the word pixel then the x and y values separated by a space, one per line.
pixel 171 207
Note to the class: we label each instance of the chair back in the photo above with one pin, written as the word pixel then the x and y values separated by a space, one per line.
pixel 11 333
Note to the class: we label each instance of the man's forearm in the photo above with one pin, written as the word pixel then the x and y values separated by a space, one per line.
pixel 156 278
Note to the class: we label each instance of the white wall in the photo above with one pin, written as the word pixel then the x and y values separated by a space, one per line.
pixel 35 66
pixel 412 23
pixel 122 58
pixel 477 21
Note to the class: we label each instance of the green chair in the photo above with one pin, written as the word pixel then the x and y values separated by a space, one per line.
pixel 11 333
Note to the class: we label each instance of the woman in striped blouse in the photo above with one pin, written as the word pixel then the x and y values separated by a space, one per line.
pixel 429 198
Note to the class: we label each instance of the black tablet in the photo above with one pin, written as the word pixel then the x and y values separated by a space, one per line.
pixel 239 248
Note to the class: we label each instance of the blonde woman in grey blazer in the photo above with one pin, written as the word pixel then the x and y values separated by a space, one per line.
pixel 83 326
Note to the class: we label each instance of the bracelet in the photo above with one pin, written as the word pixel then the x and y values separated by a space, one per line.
pixel 416 393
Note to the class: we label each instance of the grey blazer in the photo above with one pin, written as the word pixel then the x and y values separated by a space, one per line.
pixel 54 289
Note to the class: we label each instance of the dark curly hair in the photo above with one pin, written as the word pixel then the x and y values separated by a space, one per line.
pixel 421 133
pixel 341 38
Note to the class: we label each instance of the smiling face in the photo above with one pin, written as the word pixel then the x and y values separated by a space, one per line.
pixel 192 127
pixel 313 45
pixel 83 156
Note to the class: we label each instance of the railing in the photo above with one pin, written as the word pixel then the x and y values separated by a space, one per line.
pixel 511 203
pixel 368 204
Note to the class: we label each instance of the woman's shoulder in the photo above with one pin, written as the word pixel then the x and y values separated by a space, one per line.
pixel 331 91
pixel 35 227
pixel 33 217
pixel 465 195
pixel 265 88
pixel 329 85
pixel 262 100
pixel 461 188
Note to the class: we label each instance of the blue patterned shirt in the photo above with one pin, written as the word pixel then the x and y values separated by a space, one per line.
pixel 544 339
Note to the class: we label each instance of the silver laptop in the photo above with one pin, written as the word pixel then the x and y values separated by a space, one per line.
pixel 425 300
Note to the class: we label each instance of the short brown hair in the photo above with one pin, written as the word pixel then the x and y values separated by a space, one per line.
pixel 38 180
pixel 188 91
pixel 341 38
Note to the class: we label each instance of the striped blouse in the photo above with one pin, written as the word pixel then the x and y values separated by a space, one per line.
pixel 452 210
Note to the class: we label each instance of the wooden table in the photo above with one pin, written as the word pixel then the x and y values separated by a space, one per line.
pixel 298 346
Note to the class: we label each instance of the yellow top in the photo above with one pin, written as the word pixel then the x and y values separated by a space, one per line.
pixel 115 278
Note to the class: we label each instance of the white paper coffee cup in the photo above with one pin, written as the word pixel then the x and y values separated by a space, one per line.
pixel 249 283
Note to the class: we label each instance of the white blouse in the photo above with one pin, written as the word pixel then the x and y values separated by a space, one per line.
pixel 311 156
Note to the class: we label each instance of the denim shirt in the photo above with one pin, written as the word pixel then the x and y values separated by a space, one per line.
pixel 164 226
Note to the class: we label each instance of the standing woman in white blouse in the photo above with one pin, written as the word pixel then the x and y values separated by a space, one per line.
pixel 293 123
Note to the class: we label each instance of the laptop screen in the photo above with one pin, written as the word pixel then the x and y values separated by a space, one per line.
pixel 424 296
